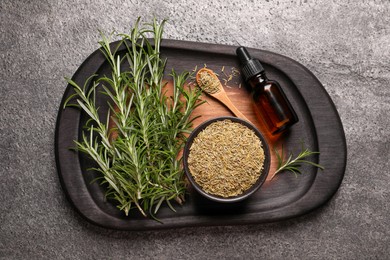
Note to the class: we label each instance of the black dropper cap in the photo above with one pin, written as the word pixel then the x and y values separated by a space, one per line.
pixel 251 67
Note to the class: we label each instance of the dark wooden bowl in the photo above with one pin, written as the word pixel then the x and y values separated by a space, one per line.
pixel 251 190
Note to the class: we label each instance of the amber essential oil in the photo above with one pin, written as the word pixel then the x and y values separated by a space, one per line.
pixel 269 101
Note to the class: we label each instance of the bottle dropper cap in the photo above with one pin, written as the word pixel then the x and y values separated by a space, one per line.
pixel 251 67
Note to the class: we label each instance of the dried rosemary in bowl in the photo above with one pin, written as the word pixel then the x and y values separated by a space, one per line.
pixel 226 158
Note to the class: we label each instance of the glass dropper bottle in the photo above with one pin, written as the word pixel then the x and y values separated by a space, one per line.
pixel 269 101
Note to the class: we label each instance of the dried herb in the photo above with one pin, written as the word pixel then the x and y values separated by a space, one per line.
pixel 234 72
pixel 226 158
pixel 208 83
pixel 293 165
pixel 141 165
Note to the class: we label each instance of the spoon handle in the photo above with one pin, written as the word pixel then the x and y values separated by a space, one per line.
pixel 224 99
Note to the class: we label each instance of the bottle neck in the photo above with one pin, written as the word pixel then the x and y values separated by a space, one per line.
pixel 259 78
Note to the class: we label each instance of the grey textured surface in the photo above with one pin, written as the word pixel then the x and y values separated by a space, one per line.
pixel 346 44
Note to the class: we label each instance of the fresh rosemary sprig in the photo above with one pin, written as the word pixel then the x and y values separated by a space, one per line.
pixel 293 165
pixel 142 164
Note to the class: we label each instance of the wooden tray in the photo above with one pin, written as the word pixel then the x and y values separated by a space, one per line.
pixel 284 197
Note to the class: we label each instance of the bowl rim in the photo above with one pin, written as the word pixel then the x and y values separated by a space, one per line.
pixel 254 187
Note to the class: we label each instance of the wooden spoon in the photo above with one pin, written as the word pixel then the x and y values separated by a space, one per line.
pixel 209 83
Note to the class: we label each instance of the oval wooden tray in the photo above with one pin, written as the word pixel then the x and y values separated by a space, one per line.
pixel 284 197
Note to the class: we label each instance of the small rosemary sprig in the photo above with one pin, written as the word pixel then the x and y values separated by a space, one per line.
pixel 293 165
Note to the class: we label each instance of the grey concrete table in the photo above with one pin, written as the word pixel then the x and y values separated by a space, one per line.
pixel 346 45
